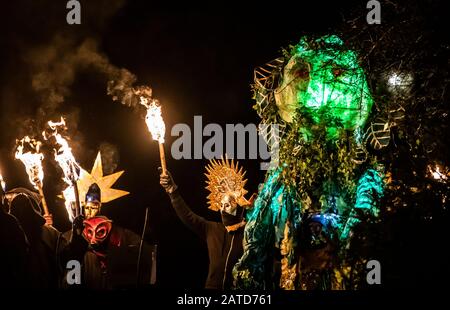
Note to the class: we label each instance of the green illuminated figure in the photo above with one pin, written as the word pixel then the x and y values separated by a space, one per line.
pixel 325 181
pixel 327 82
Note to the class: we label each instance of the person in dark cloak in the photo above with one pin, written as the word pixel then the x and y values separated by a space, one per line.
pixel 109 259
pixel 43 270
pixel 13 249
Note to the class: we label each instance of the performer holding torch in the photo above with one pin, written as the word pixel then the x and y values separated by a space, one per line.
pixel 226 184
pixel 224 239
pixel 42 237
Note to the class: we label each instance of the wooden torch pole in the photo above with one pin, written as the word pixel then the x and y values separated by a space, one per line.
pixel 162 156
pixel 44 203
pixel 77 199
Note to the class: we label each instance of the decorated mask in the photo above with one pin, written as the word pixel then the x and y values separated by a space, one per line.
pixel 93 201
pixel 96 230
pixel 228 204
pixel 91 209
pixel 322 75
pixel 321 80
pixel 226 185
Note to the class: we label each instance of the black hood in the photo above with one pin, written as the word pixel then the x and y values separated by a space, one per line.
pixel 25 206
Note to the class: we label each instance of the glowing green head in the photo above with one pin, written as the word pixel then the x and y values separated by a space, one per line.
pixel 324 80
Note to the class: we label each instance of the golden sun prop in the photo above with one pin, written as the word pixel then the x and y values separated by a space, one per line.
pixel 225 178
pixel 96 176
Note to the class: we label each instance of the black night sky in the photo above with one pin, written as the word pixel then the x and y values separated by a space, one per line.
pixel 198 59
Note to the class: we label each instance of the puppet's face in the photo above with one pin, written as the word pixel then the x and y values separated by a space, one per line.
pixel 325 81
pixel 96 230
pixel 91 209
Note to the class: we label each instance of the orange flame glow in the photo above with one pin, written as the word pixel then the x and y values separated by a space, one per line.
pixel 70 200
pixel 437 174
pixel 63 155
pixel 32 160
pixel 153 119
pixel 2 182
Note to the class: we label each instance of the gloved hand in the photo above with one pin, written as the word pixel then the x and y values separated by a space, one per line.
pixel 167 182
pixel 77 244
pixel 78 225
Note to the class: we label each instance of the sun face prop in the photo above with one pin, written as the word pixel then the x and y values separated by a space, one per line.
pixel 225 179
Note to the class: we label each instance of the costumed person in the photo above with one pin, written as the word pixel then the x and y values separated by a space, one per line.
pixel 13 246
pixel 43 270
pixel 317 101
pixel 224 239
pixel 109 253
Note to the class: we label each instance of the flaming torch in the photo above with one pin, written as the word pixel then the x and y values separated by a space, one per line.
pixel 2 182
pixel 66 160
pixel 71 201
pixel 156 126
pixel 437 174
pixel 32 161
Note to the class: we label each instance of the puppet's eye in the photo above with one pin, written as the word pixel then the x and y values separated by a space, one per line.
pixel 101 232
pixel 301 73
pixel 300 69
pixel 315 228
pixel 90 232
pixel 337 72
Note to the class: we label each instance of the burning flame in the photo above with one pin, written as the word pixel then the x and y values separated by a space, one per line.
pixel 63 155
pixel 69 196
pixel 153 119
pixel 65 159
pixel 32 160
pixel 2 182
pixel 437 174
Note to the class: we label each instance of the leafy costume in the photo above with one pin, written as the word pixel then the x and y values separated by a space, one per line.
pixel 325 181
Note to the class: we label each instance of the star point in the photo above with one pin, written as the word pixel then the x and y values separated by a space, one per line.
pixel 105 182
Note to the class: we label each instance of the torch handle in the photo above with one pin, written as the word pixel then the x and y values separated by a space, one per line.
pixel 44 202
pixel 77 199
pixel 162 156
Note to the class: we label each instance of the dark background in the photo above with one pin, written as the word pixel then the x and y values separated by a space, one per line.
pixel 199 60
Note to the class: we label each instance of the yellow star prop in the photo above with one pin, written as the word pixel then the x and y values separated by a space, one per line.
pixel 104 182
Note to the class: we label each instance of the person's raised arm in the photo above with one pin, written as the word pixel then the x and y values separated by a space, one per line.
pixel 196 223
